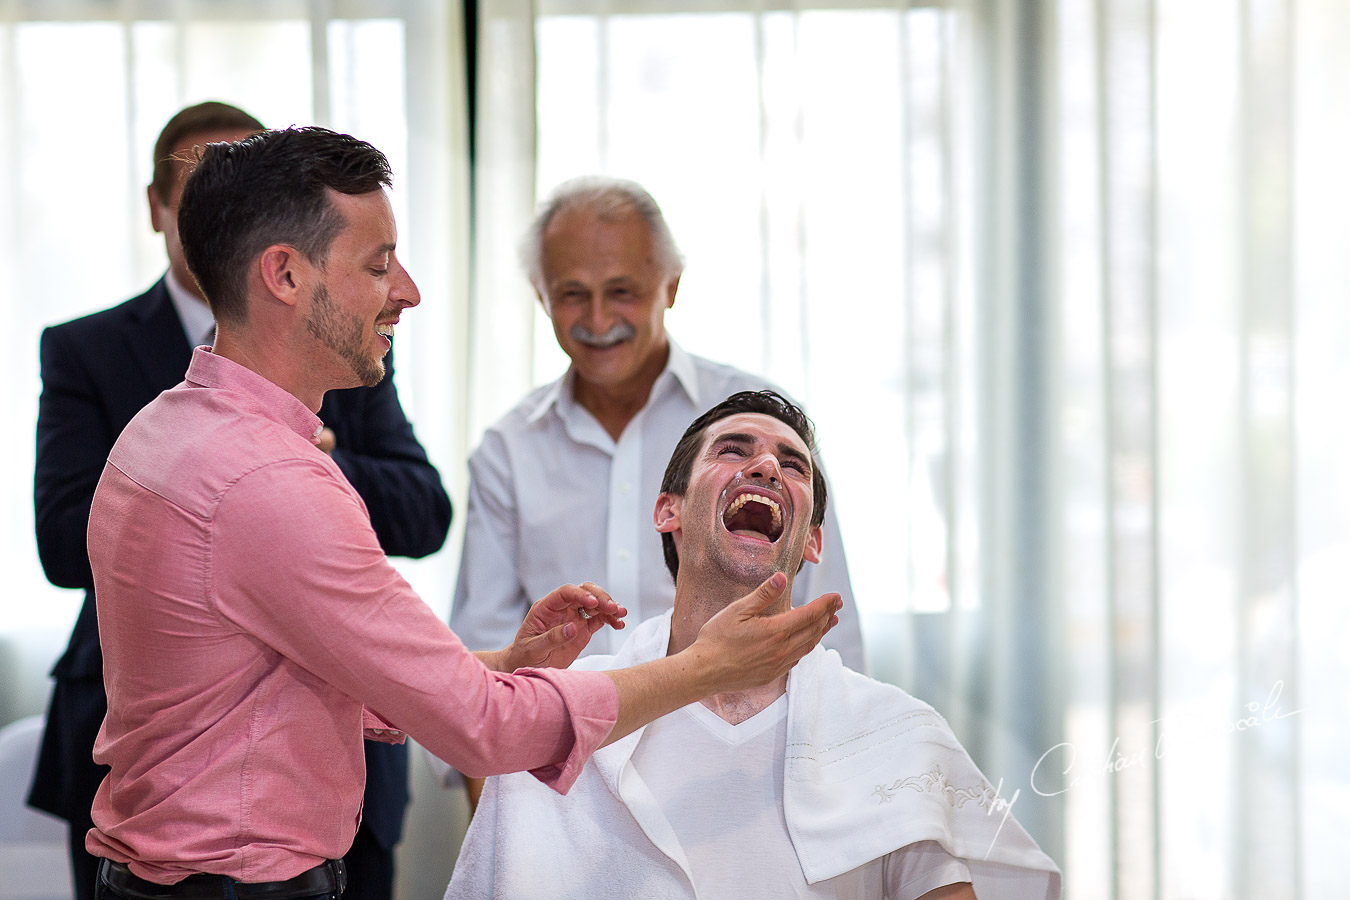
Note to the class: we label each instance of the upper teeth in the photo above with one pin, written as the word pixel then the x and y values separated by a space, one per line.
pixel 757 498
pixel 386 330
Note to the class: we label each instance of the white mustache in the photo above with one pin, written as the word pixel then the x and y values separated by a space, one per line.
pixel 618 332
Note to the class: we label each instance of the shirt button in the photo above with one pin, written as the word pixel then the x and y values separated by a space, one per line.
pixel 623 554
pixel 626 487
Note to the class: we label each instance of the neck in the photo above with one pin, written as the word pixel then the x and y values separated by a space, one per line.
pixel 698 600
pixel 615 406
pixel 268 360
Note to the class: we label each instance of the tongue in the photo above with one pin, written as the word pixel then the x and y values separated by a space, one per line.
pixel 746 532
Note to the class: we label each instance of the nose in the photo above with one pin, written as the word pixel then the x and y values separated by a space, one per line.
pixel 403 290
pixel 765 468
pixel 597 318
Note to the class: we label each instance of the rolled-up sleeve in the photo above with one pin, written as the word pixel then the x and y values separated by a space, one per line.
pixel 334 608
pixel 585 696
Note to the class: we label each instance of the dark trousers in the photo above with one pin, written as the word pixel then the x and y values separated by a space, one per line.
pixel 83 864
pixel 370 868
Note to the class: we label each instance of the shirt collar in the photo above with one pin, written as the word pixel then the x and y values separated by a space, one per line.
pixel 679 369
pixel 193 311
pixel 681 366
pixel 210 370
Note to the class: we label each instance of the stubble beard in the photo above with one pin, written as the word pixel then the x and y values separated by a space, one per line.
pixel 345 335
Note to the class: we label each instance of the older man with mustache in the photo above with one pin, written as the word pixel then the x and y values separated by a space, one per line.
pixel 558 486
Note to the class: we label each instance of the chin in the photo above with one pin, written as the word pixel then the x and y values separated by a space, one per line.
pixel 607 366
pixel 367 375
pixel 751 571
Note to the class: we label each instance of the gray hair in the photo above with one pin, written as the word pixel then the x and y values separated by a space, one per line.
pixel 609 198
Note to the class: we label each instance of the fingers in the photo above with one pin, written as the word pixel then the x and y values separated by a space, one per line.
pixel 595 623
pixel 596 591
pixel 806 625
pixel 589 599
pixel 823 611
pixel 758 600
pixel 603 605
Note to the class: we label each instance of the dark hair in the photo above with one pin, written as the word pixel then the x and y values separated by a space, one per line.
pixel 270 188
pixel 764 403
pixel 193 120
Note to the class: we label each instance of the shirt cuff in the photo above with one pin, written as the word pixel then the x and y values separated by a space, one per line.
pixel 592 703
pixel 376 729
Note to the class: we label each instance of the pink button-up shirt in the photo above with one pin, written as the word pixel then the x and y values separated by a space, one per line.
pixel 249 620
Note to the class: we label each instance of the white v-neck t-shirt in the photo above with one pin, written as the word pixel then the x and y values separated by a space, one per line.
pixel 720 787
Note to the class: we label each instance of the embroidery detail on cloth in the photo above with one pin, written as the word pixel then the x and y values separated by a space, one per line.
pixel 984 794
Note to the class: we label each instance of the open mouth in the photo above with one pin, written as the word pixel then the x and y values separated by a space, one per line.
pixel 754 516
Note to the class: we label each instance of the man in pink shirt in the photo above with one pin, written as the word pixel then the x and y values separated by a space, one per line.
pixel 254 632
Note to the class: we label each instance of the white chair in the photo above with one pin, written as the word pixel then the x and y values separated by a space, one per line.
pixel 33 860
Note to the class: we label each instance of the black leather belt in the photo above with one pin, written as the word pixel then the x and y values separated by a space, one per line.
pixel 328 878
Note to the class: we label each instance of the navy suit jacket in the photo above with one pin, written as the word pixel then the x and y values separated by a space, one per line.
pixel 97 373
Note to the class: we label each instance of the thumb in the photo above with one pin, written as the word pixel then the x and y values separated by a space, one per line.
pixel 758 600
pixel 557 635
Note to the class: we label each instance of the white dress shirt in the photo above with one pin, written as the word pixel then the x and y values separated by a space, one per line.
pixel 554 499
pixel 199 325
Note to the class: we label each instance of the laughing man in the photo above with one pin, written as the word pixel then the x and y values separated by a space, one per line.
pixel 823 783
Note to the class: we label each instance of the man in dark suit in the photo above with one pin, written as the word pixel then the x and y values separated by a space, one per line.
pixel 97 373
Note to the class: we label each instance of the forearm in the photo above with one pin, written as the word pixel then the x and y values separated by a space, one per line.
pixel 737 649
pixel 652 690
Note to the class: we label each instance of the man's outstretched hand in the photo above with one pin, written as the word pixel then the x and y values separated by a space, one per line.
pixel 748 648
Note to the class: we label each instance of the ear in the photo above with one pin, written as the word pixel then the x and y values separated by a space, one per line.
pixel 279 265
pixel 814 540
pixel 543 302
pixel 672 286
pixel 666 516
pixel 157 210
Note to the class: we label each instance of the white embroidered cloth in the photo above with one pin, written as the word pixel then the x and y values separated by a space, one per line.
pixel 868 769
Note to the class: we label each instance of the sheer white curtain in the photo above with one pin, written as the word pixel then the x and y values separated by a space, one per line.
pixel 1062 285
pixel 1206 536
pixel 85 87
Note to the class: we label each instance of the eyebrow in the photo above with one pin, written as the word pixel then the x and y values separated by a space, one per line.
pixel 784 448
pixel 570 284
